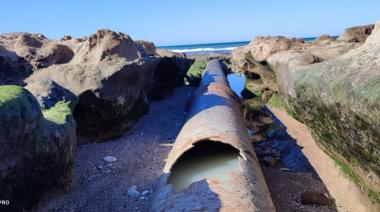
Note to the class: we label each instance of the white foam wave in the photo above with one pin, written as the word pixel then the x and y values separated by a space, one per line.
pixel 203 49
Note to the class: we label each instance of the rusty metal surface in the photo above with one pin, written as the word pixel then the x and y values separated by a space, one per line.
pixel 215 114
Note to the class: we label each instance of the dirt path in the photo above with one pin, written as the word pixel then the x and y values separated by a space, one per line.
pixel 103 186
pixel 347 195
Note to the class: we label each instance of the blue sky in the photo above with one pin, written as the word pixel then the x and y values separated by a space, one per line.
pixel 168 22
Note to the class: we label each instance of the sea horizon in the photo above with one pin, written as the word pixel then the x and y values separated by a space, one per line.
pixel 220 47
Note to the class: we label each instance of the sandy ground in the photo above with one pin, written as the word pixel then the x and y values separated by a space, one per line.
pixel 291 175
pixel 103 186
pixel 286 189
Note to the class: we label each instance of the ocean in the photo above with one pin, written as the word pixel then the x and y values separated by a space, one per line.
pixel 226 47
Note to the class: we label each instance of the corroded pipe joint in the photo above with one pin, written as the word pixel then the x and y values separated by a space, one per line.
pixel 215 119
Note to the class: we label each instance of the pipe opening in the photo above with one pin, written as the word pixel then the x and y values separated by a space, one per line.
pixel 206 160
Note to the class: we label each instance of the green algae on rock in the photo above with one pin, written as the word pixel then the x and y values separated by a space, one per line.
pixel 339 100
pixel 37 152
pixel 194 74
pixel 334 88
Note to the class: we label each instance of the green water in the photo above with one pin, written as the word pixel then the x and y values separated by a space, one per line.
pixel 216 166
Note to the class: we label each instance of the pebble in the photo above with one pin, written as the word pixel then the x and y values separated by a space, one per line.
pixel 133 192
pixel 316 198
pixel 110 159
pixel 145 193
pixel 285 169
pixel 270 161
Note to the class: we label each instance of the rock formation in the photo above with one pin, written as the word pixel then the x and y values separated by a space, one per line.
pixel 48 93
pixel 170 72
pixel 22 53
pixel 333 86
pixel 37 147
pixel 259 57
pixel 106 76
pixel 262 47
pixel 339 100
pixel 110 76
pixel 357 34
pixel 103 80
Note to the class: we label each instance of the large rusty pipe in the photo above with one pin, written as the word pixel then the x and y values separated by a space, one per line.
pixel 215 115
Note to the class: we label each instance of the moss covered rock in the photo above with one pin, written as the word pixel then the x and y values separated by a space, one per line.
pixel 333 86
pixel 339 100
pixel 37 148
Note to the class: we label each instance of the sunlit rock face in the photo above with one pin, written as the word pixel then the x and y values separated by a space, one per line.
pixel 110 75
pixel 340 102
pixel 357 34
pixel 107 75
pixel 333 86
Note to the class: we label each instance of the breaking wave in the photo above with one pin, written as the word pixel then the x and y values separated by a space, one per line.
pixel 203 49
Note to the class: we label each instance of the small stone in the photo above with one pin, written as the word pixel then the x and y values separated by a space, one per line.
pixel 145 193
pixel 285 169
pixel 270 161
pixel 133 192
pixel 316 198
pixel 110 159
pixel 100 167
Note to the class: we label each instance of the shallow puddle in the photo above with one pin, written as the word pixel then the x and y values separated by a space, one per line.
pixel 237 82
pixel 209 161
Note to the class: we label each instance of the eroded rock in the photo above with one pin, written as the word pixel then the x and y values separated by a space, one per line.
pixel 23 53
pixel 107 76
pixel 263 47
pixel 110 77
pixel 37 148
pixel 170 73
pixel 357 34
pixel 148 47
pixel 48 93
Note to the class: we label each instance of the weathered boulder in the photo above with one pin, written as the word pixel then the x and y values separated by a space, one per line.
pixel 283 63
pixel 66 37
pixel 170 73
pixel 333 86
pixel 339 100
pixel 266 60
pixel 263 47
pixel 48 93
pixel 110 76
pixel 107 74
pixel 13 68
pixel 148 47
pixel 37 148
pixel 22 53
pixel 323 40
pixel 356 34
